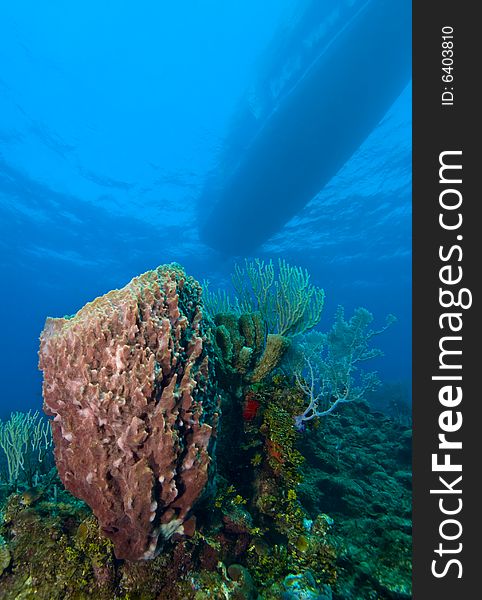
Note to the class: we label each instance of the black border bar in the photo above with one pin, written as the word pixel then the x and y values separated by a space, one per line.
pixel 450 128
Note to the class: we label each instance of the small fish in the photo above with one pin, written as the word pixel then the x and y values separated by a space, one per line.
pixel 31 496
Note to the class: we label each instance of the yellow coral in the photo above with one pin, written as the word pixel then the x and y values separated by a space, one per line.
pixel 256 460
pixel 276 346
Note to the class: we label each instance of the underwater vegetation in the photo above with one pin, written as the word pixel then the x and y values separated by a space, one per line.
pixel 358 469
pixel 199 453
pixel 26 440
pixel 328 370
pixel 284 296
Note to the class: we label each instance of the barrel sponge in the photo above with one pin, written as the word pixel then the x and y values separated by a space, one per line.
pixel 129 383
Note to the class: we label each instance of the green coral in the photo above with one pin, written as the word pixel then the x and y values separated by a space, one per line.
pixel 288 302
pixel 49 561
pixel 277 479
pixel 279 302
pixel 60 554
pixel 245 353
pixel 217 301
pixel 26 441
pixel 281 404
pixel 224 342
pixel 253 328
pixel 267 563
pixel 230 341
pixel 357 470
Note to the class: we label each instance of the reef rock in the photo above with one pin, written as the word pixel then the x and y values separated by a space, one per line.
pixel 128 380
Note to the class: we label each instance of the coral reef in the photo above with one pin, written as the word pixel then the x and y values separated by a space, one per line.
pixel 319 512
pixel 284 296
pixel 254 330
pixel 327 366
pixel 26 442
pixel 277 474
pixel 276 346
pixel 58 552
pixel 239 339
pixel 358 469
pixel 128 380
pixel 265 536
pixel 246 354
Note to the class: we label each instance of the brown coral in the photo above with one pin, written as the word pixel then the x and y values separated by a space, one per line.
pixel 128 382
pixel 276 346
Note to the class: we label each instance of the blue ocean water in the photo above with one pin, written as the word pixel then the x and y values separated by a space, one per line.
pixel 112 119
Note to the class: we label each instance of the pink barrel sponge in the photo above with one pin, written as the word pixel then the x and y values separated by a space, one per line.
pixel 129 382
